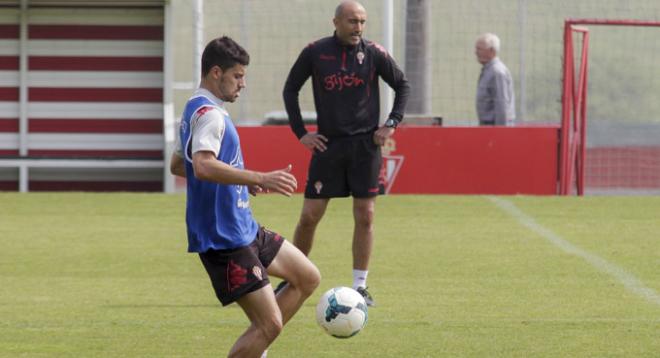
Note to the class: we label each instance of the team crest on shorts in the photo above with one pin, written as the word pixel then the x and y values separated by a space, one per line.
pixel 256 271
pixel 318 186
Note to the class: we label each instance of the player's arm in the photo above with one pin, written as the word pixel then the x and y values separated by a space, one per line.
pixel 208 129
pixel 300 72
pixel 177 166
pixel 207 167
pixel 390 72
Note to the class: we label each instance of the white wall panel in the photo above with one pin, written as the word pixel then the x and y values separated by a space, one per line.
pixel 94 48
pixel 9 16
pixel 8 141
pixel 87 16
pixel 89 79
pixel 8 78
pixel 8 47
pixel 95 110
pixel 84 141
pixel 8 109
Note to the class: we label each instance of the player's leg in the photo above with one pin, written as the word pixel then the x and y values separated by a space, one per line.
pixel 310 216
pixel 266 323
pixel 363 232
pixel 239 275
pixel 301 274
pixel 363 182
pixel 326 179
pixel 363 239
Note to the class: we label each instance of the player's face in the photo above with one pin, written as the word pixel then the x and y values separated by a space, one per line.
pixel 350 24
pixel 483 52
pixel 231 82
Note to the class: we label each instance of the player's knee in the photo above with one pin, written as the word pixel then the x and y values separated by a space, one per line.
pixel 365 217
pixel 311 281
pixel 271 328
pixel 307 280
pixel 310 218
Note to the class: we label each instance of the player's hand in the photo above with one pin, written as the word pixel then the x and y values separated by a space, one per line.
pixel 256 189
pixel 280 181
pixel 314 141
pixel 381 135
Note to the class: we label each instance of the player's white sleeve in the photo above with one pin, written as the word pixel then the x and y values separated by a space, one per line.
pixel 207 131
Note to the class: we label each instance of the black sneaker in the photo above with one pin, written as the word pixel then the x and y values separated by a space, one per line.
pixel 279 287
pixel 367 297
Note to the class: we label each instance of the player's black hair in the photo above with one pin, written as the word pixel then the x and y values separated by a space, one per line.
pixel 225 53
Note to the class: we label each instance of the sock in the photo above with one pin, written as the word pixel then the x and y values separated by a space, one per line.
pixel 360 278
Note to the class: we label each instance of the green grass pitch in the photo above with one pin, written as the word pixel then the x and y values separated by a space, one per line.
pixel 107 275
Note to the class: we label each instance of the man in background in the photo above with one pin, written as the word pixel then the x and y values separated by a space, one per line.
pixel 495 97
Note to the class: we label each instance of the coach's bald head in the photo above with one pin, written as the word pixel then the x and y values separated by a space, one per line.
pixel 350 19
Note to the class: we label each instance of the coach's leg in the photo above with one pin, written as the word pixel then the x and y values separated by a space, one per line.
pixel 265 323
pixel 363 233
pixel 311 215
pixel 301 274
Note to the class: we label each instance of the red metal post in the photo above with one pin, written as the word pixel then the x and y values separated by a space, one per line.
pixel 566 109
pixel 584 71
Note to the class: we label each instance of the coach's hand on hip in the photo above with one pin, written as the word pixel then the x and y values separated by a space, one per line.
pixel 314 141
pixel 381 135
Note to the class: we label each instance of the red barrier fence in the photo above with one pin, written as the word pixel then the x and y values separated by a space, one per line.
pixel 435 160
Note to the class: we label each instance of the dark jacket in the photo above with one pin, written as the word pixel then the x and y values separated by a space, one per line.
pixel 345 85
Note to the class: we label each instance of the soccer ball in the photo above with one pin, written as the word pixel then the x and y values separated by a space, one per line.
pixel 341 312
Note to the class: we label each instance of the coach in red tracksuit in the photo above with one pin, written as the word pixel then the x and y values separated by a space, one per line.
pixel 346 159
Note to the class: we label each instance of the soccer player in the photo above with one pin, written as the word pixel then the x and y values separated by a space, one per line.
pixel 237 254
pixel 346 159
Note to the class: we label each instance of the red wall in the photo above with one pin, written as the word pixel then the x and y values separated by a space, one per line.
pixel 435 160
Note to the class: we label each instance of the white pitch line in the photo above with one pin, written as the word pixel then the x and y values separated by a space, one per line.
pixel 630 282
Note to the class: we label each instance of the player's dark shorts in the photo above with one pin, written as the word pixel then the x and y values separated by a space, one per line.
pixel 350 166
pixel 237 272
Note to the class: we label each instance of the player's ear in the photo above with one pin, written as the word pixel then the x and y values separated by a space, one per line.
pixel 216 72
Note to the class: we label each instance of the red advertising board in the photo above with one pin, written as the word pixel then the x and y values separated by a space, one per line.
pixel 434 159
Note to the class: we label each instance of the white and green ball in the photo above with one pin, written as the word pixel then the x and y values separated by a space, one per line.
pixel 341 312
